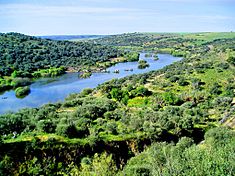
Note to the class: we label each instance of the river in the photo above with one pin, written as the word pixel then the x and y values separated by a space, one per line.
pixel 51 90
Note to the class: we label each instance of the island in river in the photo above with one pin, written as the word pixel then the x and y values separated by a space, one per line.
pixel 51 90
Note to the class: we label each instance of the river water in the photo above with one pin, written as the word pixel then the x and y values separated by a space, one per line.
pixel 51 90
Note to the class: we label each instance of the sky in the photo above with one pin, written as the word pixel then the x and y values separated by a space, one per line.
pixel 80 17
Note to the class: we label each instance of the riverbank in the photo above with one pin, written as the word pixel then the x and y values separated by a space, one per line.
pixel 20 79
pixel 101 67
pixel 45 90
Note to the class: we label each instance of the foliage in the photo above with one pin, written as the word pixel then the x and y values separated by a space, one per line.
pixel 186 158
pixel 100 165
pixel 28 54
pixel 142 64
pixel 165 122
pixel 22 91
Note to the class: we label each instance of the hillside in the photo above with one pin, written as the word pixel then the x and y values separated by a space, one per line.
pixel 175 121
pixel 25 57
pixel 143 39
pixel 25 53
pixel 71 37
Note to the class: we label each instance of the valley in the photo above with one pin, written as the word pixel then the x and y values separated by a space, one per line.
pixel 172 118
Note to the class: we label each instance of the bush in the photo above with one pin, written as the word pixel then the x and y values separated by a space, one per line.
pixel 67 130
pixel 223 65
pixel 220 136
pixel 116 94
pixel 132 56
pixel 171 99
pixel 46 126
pixel 183 82
pixel 141 91
pixel 231 59
pixel 174 78
pixel 85 92
pixel 216 89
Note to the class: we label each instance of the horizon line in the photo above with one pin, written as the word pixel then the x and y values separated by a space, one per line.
pixel 90 34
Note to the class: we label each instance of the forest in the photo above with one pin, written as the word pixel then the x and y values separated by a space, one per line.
pixel 24 58
pixel 28 54
pixel 178 120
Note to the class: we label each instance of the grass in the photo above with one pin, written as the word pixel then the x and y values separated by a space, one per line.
pixel 139 102
pixel 210 36
pixel 45 137
pixel 211 76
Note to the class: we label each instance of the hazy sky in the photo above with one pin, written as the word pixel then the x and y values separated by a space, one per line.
pixel 50 17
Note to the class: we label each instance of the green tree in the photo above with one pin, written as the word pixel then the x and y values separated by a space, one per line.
pixel 116 94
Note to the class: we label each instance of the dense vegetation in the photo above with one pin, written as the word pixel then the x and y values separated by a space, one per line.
pixel 215 156
pixel 28 54
pixel 175 121
pixel 71 37
pixel 23 57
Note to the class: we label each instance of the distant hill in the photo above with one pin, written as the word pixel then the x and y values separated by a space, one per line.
pixel 26 53
pixel 71 37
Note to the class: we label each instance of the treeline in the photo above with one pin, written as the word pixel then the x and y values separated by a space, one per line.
pixel 181 45
pixel 132 39
pixel 28 54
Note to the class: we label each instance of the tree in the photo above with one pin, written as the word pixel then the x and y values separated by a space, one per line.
pixel 116 94
pixel 171 99
pixel 216 89
pixel 231 59
pixel 67 130
pixel 141 91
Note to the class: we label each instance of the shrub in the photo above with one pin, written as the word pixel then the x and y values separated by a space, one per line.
pixel 67 130
pixel 171 98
